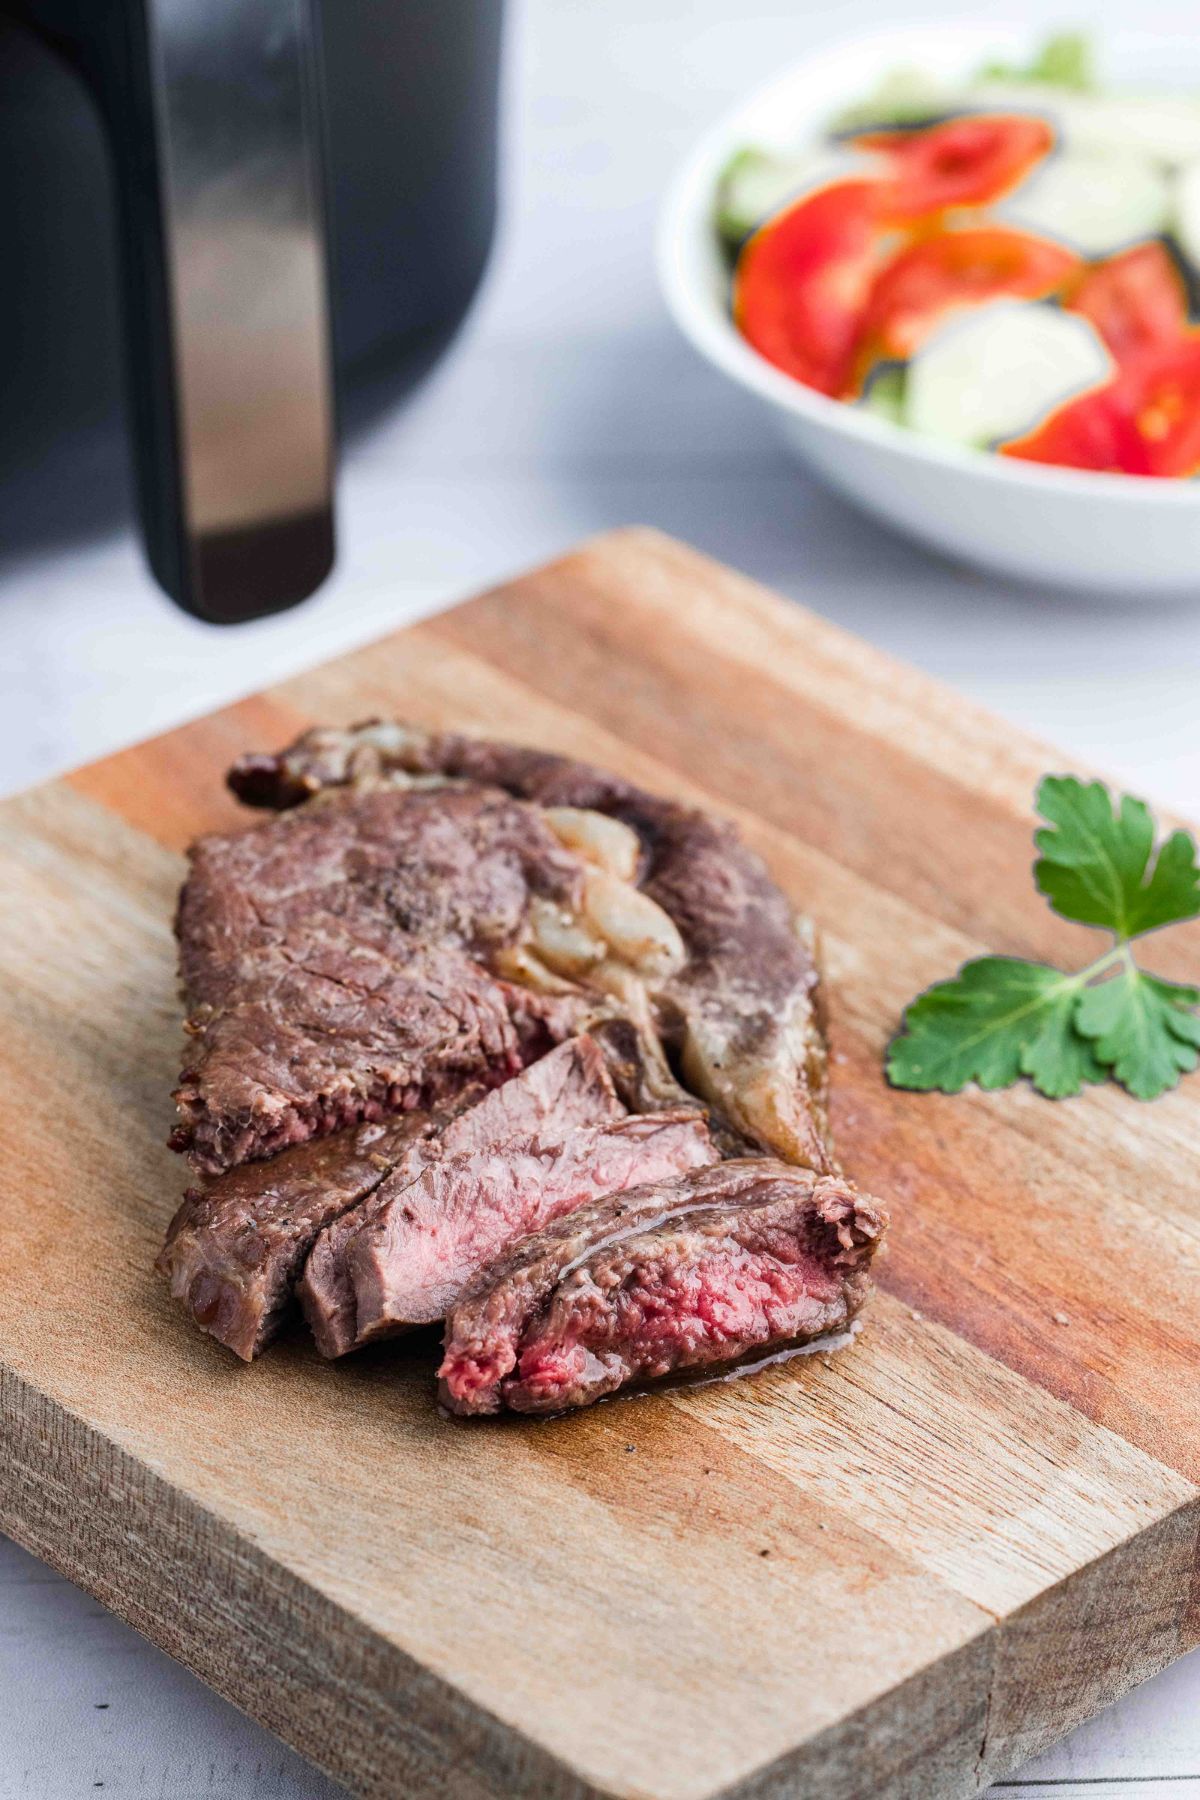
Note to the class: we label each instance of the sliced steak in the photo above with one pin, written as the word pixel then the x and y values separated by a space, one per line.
pixel 739 1259
pixel 567 1089
pixel 339 964
pixel 738 1014
pixel 436 1236
pixel 235 1246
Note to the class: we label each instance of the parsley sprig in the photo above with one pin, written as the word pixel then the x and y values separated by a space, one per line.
pixel 1001 1018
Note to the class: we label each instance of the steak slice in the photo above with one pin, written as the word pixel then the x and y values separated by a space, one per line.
pixel 742 1258
pixel 235 1246
pixel 435 1237
pixel 568 1088
pixel 741 1016
pixel 337 964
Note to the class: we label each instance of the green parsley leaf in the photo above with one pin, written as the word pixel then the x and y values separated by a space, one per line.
pixel 1001 1018
pixel 998 1019
pixel 1057 1059
pixel 1097 864
pixel 1143 1028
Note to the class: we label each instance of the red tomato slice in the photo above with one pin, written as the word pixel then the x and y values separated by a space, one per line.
pixel 965 162
pixel 1146 421
pixel 954 269
pixel 1137 301
pixel 1165 404
pixel 802 283
pixel 1096 431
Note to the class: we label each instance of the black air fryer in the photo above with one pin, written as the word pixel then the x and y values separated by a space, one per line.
pixel 273 205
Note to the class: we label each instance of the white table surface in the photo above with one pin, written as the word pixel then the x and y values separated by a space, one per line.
pixel 566 406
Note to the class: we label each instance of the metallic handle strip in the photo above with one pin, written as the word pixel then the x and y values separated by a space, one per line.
pixel 244 238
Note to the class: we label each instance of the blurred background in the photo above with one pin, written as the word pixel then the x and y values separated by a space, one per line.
pixel 567 403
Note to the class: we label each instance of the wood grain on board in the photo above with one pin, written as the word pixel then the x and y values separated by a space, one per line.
pixel 895 1572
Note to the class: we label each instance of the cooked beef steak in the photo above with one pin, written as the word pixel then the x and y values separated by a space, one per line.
pixel 436 1236
pixel 336 964
pixel 235 1246
pixel 420 1003
pixel 745 1257
pixel 567 1089
pixel 738 1012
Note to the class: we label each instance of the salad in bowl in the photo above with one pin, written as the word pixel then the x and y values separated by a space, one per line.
pixel 1005 260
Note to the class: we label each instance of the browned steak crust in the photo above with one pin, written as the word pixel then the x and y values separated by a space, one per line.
pixel 335 964
pixel 740 1017
pixel 738 1260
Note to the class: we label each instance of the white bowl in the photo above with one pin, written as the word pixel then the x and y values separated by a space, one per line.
pixel 1103 533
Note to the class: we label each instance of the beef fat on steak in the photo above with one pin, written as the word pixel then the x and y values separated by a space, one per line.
pixel 566 1090
pixel 736 1260
pixel 739 1011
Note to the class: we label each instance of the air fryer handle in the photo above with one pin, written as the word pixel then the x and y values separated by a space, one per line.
pixel 219 150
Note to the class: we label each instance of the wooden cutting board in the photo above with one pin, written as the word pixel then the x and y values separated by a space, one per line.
pixel 895 1572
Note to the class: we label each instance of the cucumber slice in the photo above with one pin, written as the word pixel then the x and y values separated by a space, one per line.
pixel 1094 204
pixel 1163 127
pixel 1185 223
pixel 884 394
pixel 1064 60
pixel 907 96
pixel 903 97
pixel 992 373
pixel 756 183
